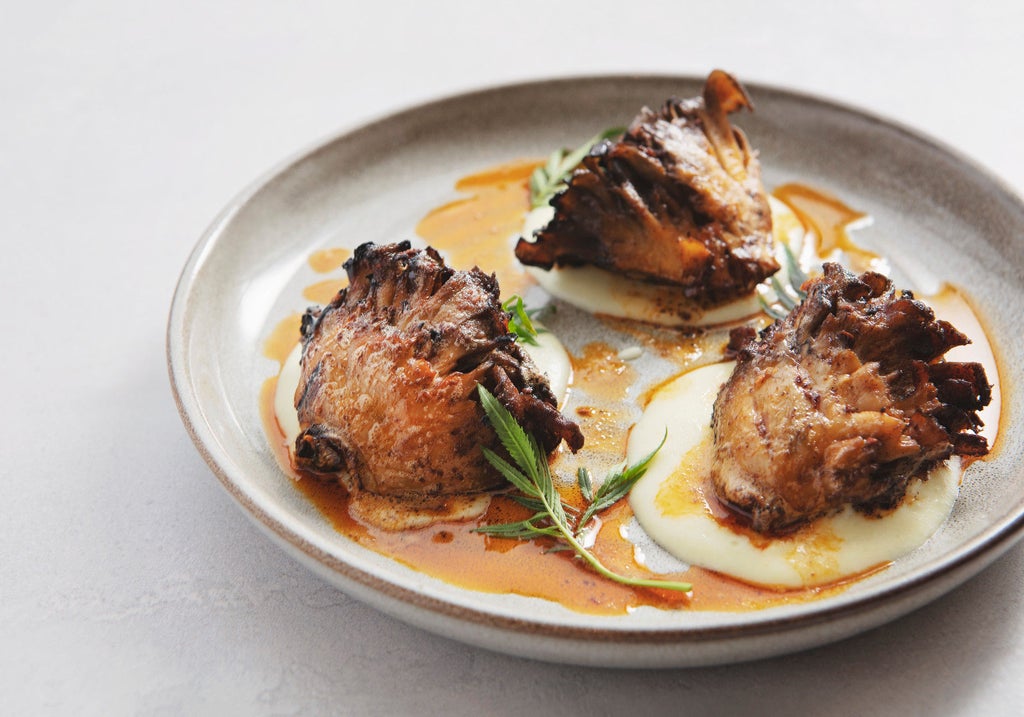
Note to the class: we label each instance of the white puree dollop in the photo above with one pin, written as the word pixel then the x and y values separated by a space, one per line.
pixel 825 551
pixel 603 292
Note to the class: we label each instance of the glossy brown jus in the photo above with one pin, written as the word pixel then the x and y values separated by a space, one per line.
pixel 327 261
pixel 452 552
pixel 283 338
pixel 480 230
pixel 828 219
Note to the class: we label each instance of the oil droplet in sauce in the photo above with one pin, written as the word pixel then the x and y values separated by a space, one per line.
pixel 684 347
pixel 482 228
pixel 604 429
pixel 601 373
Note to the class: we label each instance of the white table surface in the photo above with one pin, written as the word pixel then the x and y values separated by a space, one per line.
pixel 130 583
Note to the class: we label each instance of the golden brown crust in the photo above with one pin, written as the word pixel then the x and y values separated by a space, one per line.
pixel 842 403
pixel 678 200
pixel 387 396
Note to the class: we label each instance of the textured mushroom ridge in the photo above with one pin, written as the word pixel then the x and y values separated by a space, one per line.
pixel 843 402
pixel 387 395
pixel 678 200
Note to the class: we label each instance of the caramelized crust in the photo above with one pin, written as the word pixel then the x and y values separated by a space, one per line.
pixel 678 200
pixel 387 397
pixel 842 403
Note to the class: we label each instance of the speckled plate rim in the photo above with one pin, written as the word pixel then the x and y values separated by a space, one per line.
pixel 560 640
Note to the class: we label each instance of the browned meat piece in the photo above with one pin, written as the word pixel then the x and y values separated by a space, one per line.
pixel 843 402
pixel 387 397
pixel 678 200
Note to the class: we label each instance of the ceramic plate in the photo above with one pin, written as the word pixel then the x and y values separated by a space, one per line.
pixel 933 210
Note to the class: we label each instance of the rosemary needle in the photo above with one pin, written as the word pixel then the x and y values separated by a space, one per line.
pixel 531 476
pixel 549 179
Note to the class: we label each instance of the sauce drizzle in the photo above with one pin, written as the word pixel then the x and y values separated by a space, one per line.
pixel 828 220
pixel 481 229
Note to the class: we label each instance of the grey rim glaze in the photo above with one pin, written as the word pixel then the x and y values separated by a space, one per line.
pixel 934 212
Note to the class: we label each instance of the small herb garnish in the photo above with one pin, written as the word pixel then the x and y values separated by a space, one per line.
pixel 520 322
pixel 547 181
pixel 552 518
pixel 786 298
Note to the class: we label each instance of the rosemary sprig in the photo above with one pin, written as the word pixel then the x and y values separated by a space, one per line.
pixel 614 488
pixel 548 180
pixel 531 476
pixel 786 298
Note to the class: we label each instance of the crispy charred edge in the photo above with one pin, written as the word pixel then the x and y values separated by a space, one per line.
pixel 901 334
pixel 371 272
pixel 629 176
pixel 739 338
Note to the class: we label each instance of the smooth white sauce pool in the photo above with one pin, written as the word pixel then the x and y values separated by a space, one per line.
pixel 827 550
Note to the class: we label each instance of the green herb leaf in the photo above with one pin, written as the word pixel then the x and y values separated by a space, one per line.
pixel 523 530
pixel 617 485
pixel 519 446
pixel 781 295
pixel 797 276
pixel 769 309
pixel 532 477
pixel 558 548
pixel 549 180
pixel 521 321
pixel 542 311
pixel 786 297
pixel 586 485
pixel 534 504
pixel 512 475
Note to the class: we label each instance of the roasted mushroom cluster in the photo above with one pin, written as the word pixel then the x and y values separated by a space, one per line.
pixel 387 396
pixel 678 200
pixel 843 402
